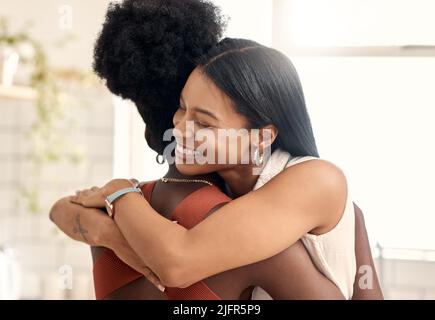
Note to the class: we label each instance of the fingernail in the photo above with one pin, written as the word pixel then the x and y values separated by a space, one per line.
pixel 161 288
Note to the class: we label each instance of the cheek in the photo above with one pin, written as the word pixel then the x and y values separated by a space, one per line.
pixel 205 138
pixel 223 146
pixel 209 145
pixel 232 149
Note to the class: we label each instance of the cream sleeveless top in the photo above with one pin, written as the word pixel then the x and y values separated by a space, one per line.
pixel 333 252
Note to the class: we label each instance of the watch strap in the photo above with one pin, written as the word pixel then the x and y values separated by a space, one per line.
pixel 111 198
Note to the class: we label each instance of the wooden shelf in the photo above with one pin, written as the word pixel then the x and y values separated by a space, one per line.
pixel 17 92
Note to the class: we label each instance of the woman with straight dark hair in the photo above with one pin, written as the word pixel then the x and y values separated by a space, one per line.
pixel 142 61
pixel 238 85
pixel 143 34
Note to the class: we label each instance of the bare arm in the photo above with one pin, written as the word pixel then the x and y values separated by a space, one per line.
pixel 95 228
pixel 80 223
pixel 363 290
pixel 307 197
pixel 292 275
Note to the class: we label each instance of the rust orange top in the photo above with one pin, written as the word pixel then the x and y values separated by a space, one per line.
pixel 111 273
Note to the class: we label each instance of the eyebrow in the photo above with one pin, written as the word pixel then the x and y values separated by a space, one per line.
pixel 201 110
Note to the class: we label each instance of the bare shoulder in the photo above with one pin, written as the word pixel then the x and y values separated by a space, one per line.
pixel 319 170
pixel 322 173
pixel 319 186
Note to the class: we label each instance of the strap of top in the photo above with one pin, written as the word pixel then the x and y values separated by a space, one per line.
pixel 111 273
pixel 147 189
pixel 194 208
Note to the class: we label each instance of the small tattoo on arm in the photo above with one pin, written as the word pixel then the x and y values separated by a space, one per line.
pixel 79 229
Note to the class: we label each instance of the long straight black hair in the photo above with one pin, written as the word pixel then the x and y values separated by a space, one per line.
pixel 264 87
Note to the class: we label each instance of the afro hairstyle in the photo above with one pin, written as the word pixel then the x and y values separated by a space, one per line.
pixel 147 49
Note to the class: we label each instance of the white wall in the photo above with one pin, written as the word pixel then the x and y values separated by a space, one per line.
pixel 407 279
pixel 39 248
pixel 250 19
pixel 52 22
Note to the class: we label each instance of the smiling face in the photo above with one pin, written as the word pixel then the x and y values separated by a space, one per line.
pixel 211 136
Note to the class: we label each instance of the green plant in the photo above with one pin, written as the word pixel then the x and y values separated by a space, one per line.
pixel 49 144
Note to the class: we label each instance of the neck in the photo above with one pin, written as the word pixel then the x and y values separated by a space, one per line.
pixel 240 179
pixel 173 172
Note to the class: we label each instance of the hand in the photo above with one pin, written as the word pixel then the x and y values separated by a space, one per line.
pixel 95 197
pixel 90 198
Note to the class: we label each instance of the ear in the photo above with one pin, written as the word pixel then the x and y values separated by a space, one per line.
pixel 267 136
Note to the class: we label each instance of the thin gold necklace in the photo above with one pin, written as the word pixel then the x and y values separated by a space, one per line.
pixel 165 180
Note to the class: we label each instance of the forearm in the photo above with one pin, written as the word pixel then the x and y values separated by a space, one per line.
pixel 157 240
pixel 93 227
pixel 88 225
pixel 173 252
pixel 239 233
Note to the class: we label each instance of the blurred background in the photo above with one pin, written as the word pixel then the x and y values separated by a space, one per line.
pixel 368 72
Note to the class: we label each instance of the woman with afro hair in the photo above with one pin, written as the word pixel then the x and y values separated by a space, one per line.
pixel 146 52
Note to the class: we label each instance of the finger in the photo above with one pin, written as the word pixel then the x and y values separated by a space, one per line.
pixel 81 199
pixel 151 276
pixel 82 192
pixel 86 192
pixel 76 199
pixel 93 200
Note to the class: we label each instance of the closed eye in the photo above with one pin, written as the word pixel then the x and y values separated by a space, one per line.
pixel 203 125
pixel 198 123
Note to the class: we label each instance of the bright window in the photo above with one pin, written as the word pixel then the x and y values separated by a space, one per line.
pixel 358 22
pixel 372 103
pixel 374 117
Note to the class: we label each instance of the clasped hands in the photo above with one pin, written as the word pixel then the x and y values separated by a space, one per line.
pixel 94 197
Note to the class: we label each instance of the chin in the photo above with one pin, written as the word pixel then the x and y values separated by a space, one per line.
pixel 191 169
pixel 196 169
